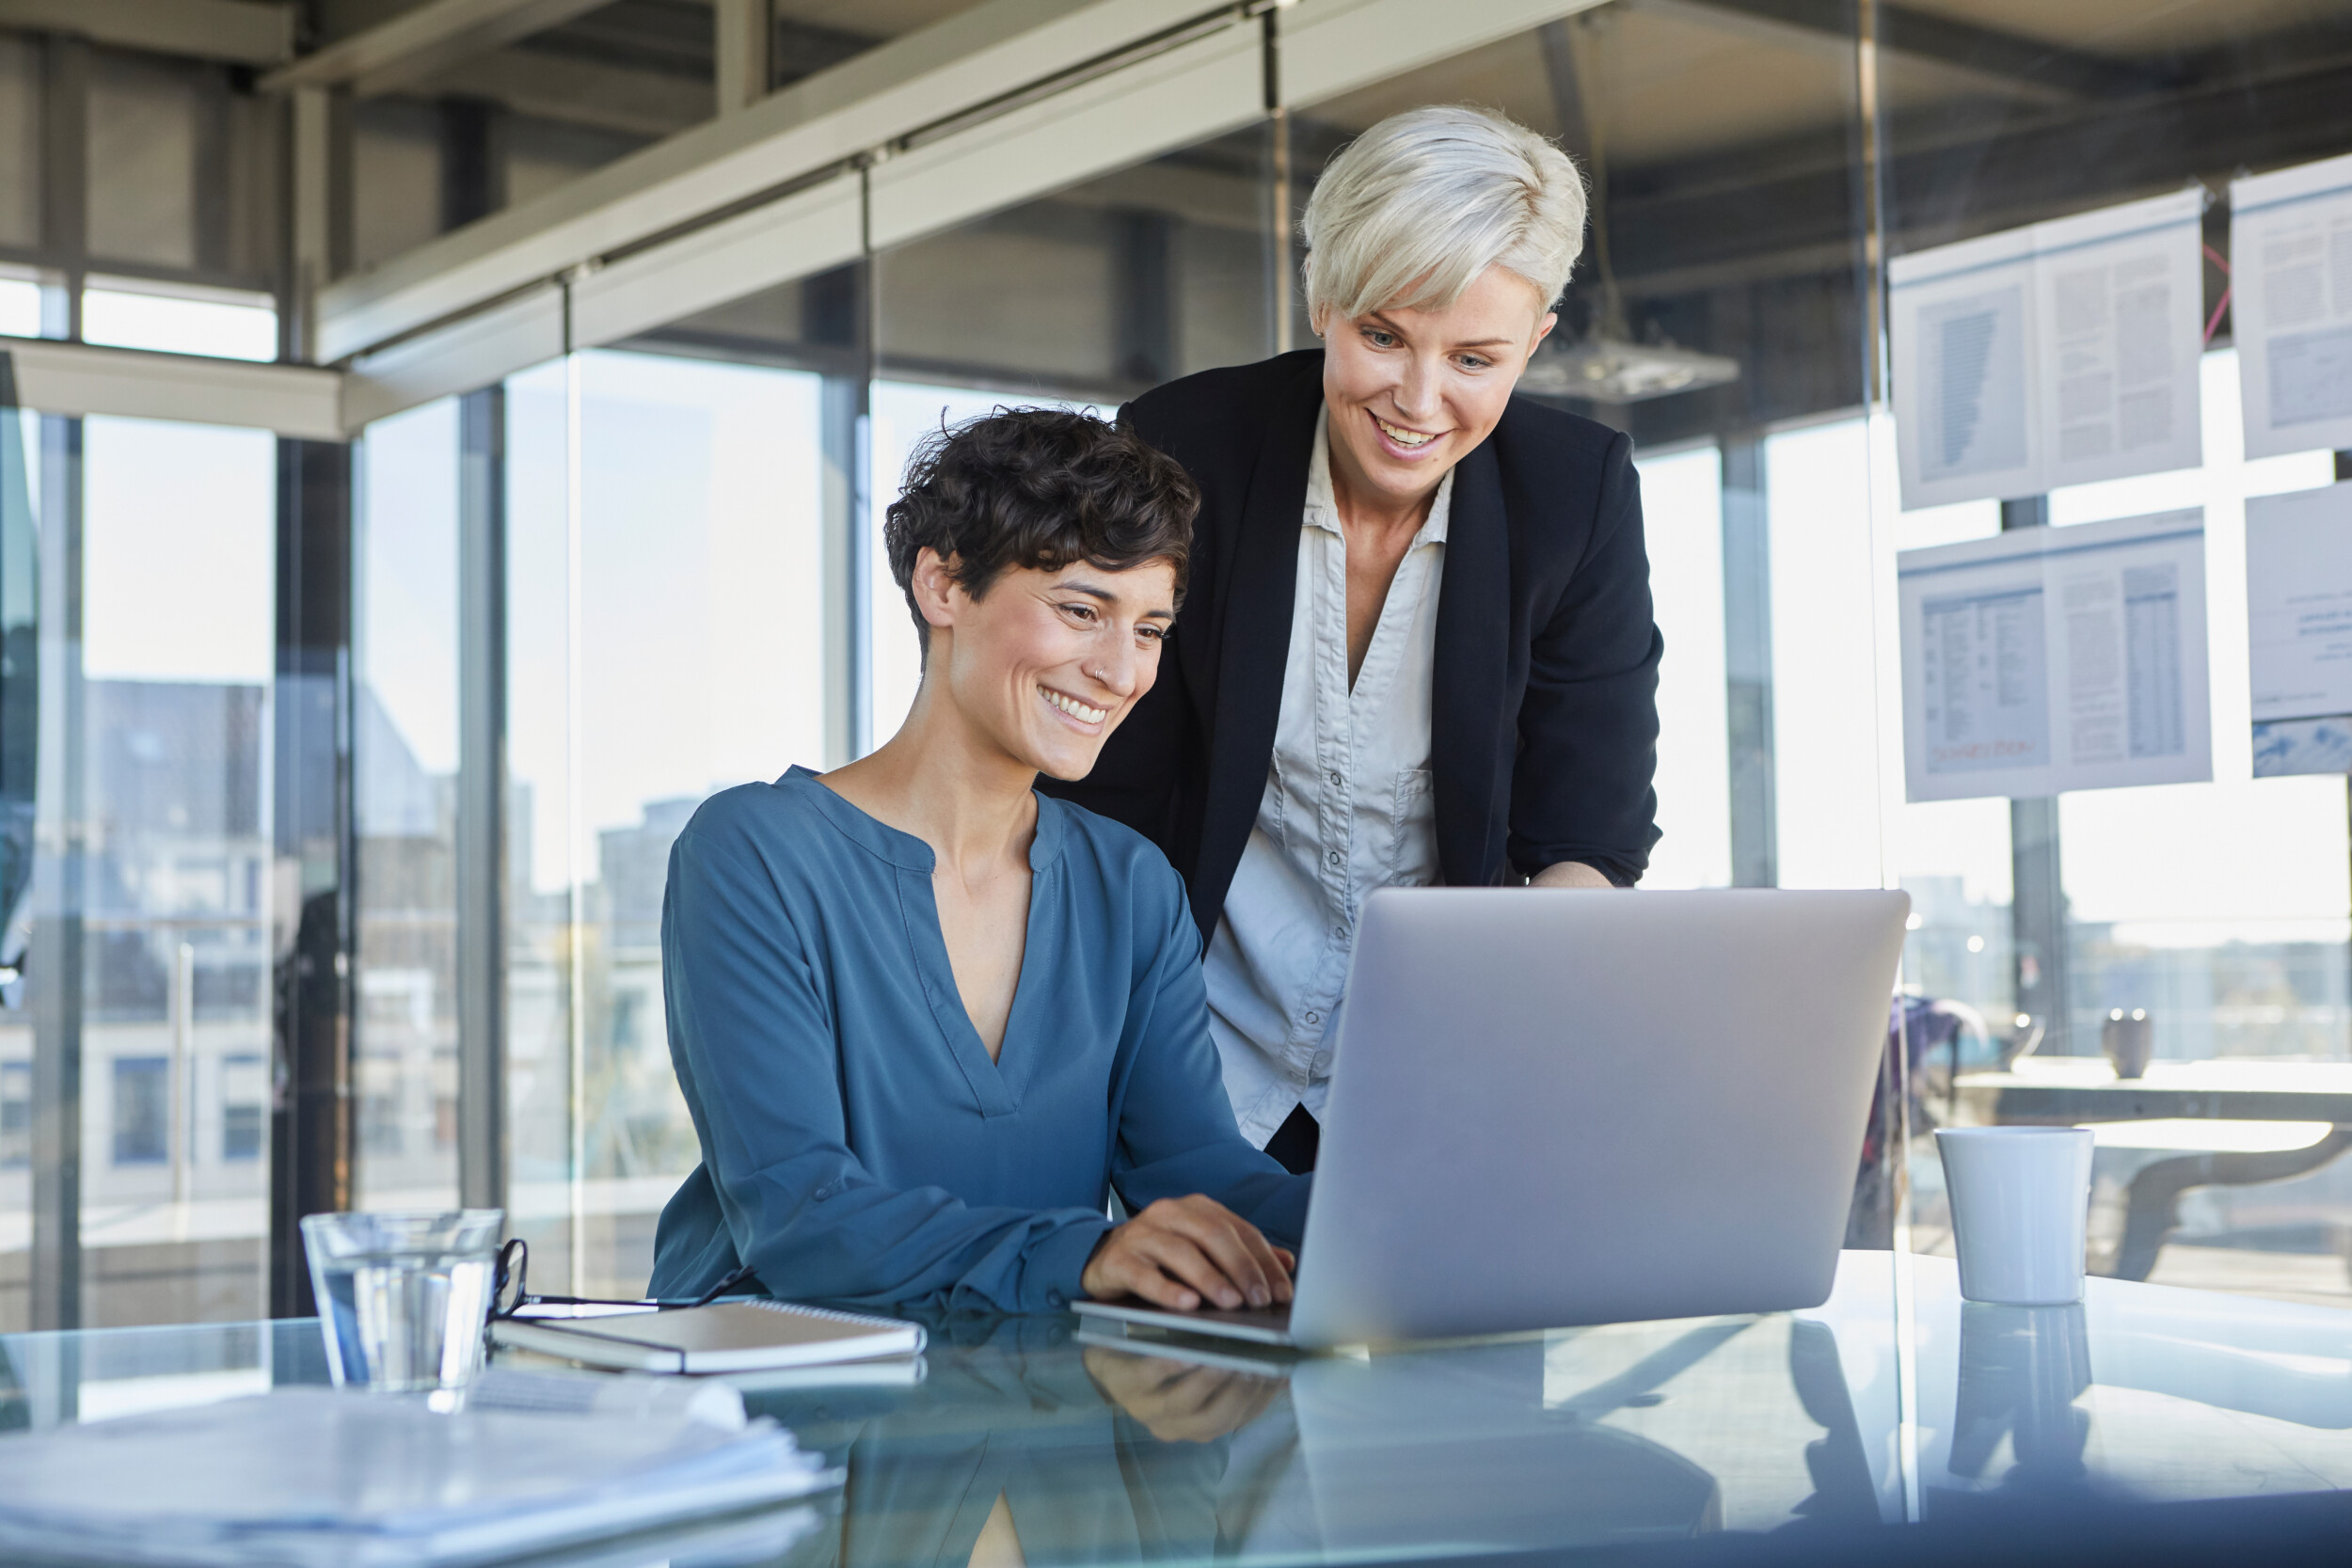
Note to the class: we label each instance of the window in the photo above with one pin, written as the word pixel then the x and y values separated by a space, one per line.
pixel 142 1107
pixel 244 1107
pixel 16 1114
pixel 225 323
pixel 664 636
pixel 19 308
pixel 405 779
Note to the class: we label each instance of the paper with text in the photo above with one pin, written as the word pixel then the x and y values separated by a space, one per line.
pixel 1964 397
pixel 2299 620
pixel 2050 660
pixel 2053 355
pixel 2291 306
pixel 2120 293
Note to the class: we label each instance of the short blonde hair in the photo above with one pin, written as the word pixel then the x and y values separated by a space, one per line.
pixel 1412 210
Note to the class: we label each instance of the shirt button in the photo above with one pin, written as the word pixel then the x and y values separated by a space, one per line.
pixel 1333 777
pixel 1339 931
pixel 1333 857
pixel 1314 1017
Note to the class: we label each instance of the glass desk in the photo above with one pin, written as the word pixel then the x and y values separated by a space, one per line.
pixel 1896 1402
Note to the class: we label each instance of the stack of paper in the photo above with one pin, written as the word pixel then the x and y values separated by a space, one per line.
pixel 307 1477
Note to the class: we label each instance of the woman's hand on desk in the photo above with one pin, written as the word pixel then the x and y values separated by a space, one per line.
pixel 1184 1251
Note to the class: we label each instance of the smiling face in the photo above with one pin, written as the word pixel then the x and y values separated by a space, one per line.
pixel 1045 664
pixel 1411 391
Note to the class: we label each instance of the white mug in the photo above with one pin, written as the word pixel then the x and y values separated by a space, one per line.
pixel 2021 1197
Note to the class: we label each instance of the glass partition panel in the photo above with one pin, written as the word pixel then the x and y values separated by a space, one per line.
pixel 2204 922
pixel 664 634
pixel 1824 675
pixel 171 731
pixel 404 761
pixel 1682 520
pixel 544 875
pixel 20 496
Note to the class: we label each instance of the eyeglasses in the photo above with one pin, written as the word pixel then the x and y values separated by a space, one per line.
pixel 509 1289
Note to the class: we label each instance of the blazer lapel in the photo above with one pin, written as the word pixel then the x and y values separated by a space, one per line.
pixel 1466 683
pixel 1261 575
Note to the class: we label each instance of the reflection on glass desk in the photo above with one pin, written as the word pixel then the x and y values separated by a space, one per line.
pixel 2070 1089
pixel 1119 1450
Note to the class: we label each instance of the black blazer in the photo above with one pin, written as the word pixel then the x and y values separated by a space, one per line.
pixel 1544 708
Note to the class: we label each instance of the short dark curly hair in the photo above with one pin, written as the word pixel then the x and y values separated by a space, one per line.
pixel 1037 489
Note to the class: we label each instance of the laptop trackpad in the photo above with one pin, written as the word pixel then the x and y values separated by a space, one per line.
pixel 1267 1326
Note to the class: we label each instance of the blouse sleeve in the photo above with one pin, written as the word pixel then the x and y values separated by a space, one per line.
pixel 1588 723
pixel 756 1052
pixel 1176 1131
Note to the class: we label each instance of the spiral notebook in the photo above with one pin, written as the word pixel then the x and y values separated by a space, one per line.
pixel 724 1337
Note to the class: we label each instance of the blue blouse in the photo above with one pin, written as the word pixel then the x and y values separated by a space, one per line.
pixel 858 1144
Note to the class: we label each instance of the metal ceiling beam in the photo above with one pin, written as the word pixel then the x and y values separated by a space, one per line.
pixel 952 67
pixel 745 35
pixel 417 43
pixel 2019 63
pixel 240 32
pixel 1786 209
pixel 644 104
pixel 77 379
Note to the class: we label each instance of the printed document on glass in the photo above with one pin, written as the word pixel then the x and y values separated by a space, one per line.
pixel 1964 397
pixel 2118 297
pixel 2291 306
pixel 2298 618
pixel 2055 355
pixel 2049 659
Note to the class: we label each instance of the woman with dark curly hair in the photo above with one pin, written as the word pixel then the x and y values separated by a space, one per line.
pixel 925 1019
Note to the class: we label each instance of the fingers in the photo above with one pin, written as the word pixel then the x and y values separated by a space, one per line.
pixel 1144 1260
pixel 1180 1253
pixel 1252 1271
pixel 1190 1268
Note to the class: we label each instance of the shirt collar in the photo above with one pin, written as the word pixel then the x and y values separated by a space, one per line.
pixel 903 849
pixel 1323 508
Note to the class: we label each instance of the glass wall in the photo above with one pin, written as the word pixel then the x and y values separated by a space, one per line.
pixel 664 626
pixel 694 592
pixel 22 495
pixel 404 806
pixel 2213 915
pixel 152 937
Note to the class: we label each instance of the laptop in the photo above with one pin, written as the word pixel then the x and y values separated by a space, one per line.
pixel 1554 1107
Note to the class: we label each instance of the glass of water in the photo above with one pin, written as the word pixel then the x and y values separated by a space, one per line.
pixel 404 1298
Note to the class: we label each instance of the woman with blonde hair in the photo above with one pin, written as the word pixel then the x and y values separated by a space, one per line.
pixel 1417 648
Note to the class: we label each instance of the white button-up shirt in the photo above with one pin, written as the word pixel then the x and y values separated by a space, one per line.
pixel 1346 809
